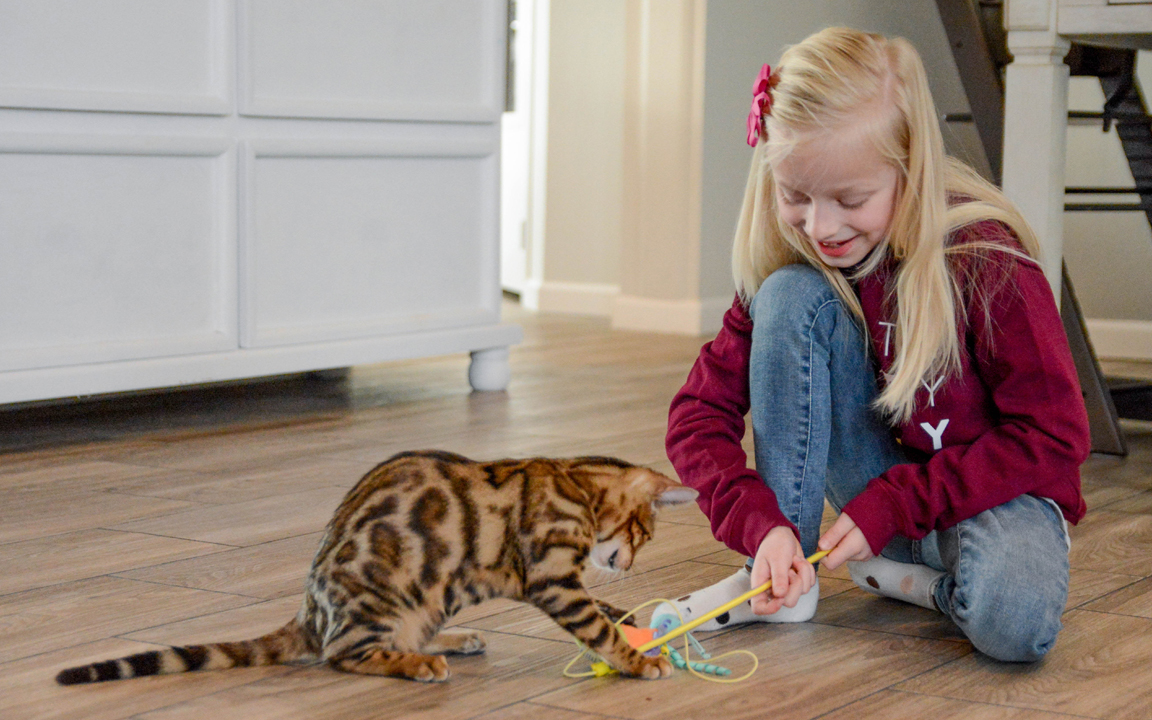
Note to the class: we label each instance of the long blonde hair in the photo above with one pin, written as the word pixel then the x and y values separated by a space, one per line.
pixel 833 79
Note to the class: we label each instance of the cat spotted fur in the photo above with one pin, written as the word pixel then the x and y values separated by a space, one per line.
pixel 425 534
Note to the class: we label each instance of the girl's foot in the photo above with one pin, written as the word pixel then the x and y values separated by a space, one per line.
pixel 909 582
pixel 702 601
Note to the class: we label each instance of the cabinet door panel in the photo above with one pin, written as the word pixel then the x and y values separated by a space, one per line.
pixel 346 247
pixel 174 56
pixel 378 59
pixel 109 257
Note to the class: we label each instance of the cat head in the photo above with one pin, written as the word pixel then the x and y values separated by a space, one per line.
pixel 626 516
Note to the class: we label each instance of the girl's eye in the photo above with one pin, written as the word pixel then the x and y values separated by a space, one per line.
pixel 793 199
pixel 855 205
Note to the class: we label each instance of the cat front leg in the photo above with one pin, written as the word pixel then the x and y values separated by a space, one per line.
pixel 614 613
pixel 567 601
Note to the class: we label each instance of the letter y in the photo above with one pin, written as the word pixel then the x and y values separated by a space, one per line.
pixel 937 433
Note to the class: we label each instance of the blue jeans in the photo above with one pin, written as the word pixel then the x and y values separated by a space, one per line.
pixel 812 383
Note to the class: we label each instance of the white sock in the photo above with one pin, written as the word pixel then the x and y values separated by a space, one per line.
pixel 909 582
pixel 703 601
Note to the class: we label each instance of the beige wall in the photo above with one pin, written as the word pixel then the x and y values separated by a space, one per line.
pixel 584 203
pixel 744 34
pixel 639 218
pixel 647 157
pixel 663 129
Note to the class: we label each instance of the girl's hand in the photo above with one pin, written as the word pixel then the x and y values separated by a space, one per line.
pixel 781 560
pixel 846 541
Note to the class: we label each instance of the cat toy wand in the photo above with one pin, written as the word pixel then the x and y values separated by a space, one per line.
pixel 644 640
pixel 692 625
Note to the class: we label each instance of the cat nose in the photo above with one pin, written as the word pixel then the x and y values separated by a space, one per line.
pixel 612 559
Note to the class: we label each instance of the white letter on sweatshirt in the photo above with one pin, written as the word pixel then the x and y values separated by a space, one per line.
pixel 887 336
pixel 936 432
pixel 932 390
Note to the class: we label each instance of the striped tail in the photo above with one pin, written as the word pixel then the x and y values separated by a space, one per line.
pixel 285 645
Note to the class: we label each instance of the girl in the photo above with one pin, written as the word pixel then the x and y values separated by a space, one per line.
pixel 902 356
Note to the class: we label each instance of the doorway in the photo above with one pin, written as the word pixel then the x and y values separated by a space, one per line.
pixel 516 149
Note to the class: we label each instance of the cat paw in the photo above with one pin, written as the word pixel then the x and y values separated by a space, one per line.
pixel 456 643
pixel 433 669
pixel 654 668
pixel 473 644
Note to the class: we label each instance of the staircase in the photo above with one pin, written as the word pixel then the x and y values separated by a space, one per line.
pixel 976 33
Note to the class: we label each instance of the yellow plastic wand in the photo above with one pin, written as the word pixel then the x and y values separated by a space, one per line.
pixel 692 625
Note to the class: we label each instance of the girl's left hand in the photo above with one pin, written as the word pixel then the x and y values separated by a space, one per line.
pixel 846 541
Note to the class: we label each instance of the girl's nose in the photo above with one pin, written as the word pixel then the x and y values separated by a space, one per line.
pixel 822 222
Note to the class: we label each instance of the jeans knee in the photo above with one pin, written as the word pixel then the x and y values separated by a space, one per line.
pixel 1009 575
pixel 1008 630
pixel 1022 644
pixel 785 291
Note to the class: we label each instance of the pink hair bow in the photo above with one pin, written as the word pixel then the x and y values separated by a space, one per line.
pixel 761 104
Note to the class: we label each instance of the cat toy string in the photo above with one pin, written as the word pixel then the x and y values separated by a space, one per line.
pixel 692 625
pixel 600 668
pixel 662 641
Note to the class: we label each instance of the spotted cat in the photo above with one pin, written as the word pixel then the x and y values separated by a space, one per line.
pixel 425 534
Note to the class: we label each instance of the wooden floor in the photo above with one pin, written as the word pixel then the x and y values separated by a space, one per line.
pixel 192 516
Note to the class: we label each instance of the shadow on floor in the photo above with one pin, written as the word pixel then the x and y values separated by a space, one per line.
pixel 117 416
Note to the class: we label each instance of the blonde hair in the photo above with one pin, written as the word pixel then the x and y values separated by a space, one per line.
pixel 839 78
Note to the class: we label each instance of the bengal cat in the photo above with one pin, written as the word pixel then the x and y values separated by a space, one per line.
pixel 425 534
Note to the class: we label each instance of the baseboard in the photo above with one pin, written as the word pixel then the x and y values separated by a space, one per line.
pixel 530 295
pixel 679 317
pixel 576 298
pixel 1121 339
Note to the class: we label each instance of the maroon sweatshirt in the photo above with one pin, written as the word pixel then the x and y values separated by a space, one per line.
pixel 1011 422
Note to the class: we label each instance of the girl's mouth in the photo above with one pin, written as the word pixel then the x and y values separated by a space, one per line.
pixel 835 249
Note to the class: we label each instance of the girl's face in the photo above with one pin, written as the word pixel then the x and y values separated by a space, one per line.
pixel 838 192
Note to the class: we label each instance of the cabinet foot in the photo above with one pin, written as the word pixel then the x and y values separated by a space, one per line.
pixel 489 370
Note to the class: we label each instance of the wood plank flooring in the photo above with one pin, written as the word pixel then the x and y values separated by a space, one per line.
pixel 187 516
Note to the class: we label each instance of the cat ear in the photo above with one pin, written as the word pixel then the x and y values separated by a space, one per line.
pixel 664 490
pixel 675 495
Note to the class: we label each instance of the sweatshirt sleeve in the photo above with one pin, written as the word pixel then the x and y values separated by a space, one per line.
pixel 705 427
pixel 1039 434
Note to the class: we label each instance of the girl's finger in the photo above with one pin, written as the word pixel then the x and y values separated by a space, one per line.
pixel 779 578
pixel 840 553
pixel 759 570
pixel 795 589
pixel 836 533
pixel 805 573
pixel 761 573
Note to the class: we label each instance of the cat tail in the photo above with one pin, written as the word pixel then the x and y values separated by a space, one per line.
pixel 285 645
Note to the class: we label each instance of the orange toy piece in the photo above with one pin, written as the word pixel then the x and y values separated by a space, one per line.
pixel 637 636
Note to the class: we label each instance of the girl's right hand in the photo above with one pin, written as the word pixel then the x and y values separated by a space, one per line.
pixel 781 560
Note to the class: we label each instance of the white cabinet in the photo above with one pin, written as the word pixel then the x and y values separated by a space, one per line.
pixel 384 60
pixel 202 190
